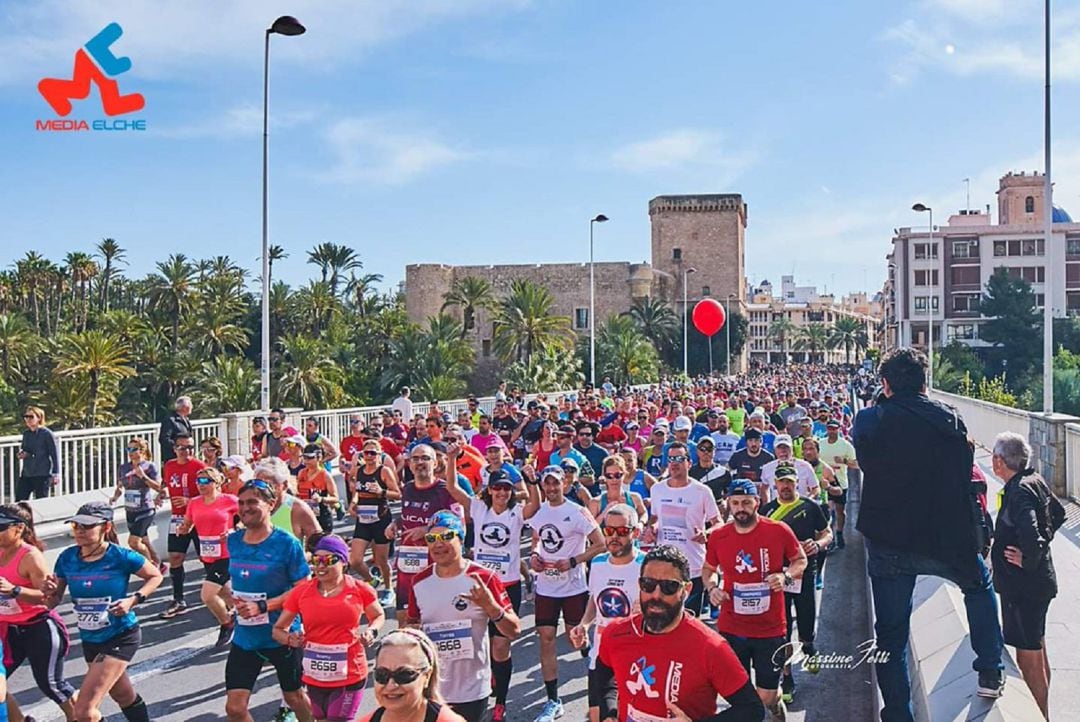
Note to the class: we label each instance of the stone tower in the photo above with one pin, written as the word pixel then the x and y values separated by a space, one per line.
pixel 1021 198
pixel 703 232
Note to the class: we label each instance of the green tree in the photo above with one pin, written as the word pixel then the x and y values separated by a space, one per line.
pixel 310 378
pixel 98 358
pixel 171 291
pixel 525 323
pixel 624 353
pixel 470 294
pixel 552 368
pixel 656 320
pixel 849 333
pixel 813 338
pixel 17 343
pixel 783 331
pixel 333 261
pixel 228 384
pixel 1014 327
pixel 113 255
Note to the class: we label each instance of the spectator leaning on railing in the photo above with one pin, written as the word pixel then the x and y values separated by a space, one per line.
pixel 40 459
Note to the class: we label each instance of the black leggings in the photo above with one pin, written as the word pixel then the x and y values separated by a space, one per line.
pixel 471 711
pixel 805 605
pixel 45 643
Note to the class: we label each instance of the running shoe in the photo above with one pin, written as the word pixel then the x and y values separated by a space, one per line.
pixel 386 598
pixel 840 540
pixel 225 633
pixel 376 577
pixel 284 714
pixel 991 684
pixel 787 688
pixel 175 610
pixel 499 713
pixel 552 710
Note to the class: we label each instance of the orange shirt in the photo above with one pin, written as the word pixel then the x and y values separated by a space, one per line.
pixel 333 656
pixel 311 482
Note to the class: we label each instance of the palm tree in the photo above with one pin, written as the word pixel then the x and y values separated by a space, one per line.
pixel 31 270
pixel 228 384
pixel 624 353
pixel 311 378
pixel 277 253
pixel 317 302
pixel 81 269
pixel 782 329
pixel 171 290
pixel 850 333
pixel 656 320
pixel 333 260
pixel 814 338
pixel 361 289
pixel 17 343
pixel 549 369
pixel 470 294
pixel 525 323
pixel 111 252
pixel 96 357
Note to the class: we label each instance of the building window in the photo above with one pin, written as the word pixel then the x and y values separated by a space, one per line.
pixel 962 302
pixel 676 254
pixel 961 331
pixel 965 275
pixel 965 249
pixel 581 318
pixel 921 302
pixel 1072 303
pixel 1029 205
pixel 1025 247
pixel 924 251
pixel 926 278
pixel 706 291
pixel 485 347
pixel 1040 299
pixel 1072 247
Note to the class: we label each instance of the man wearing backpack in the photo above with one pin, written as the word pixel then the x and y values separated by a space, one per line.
pixel 1023 568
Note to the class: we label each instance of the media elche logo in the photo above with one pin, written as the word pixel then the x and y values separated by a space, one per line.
pixel 95 64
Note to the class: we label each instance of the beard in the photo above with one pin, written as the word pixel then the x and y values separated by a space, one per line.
pixel 744 518
pixel 657 615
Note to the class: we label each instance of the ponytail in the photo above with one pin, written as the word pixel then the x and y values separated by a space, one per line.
pixel 110 533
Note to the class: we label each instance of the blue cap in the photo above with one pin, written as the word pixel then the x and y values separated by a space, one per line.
pixel 447 519
pixel 742 487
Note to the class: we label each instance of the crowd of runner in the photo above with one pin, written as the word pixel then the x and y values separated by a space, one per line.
pixel 678 532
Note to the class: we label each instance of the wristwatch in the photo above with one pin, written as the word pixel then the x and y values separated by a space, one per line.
pixel 573 562
pixel 788 580
pixel 139 597
pixel 262 605
pixel 15 592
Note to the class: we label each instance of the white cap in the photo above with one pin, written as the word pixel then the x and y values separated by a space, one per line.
pixel 682 423
pixel 783 440
pixel 297 439
pixel 235 461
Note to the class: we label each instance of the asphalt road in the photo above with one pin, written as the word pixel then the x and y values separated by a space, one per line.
pixel 182 679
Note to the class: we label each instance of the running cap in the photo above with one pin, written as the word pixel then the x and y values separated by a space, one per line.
pixel 786 470
pixel 832 424
pixel 742 487
pixel 682 423
pixel 752 433
pixel 297 439
pixel 557 471
pixel 783 440
pixel 447 519
pixel 499 477
pixel 706 441
pixel 93 512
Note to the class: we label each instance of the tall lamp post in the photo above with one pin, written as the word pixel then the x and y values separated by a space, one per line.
pixel 727 332
pixel 922 208
pixel 284 25
pixel 1048 229
pixel 686 324
pixel 600 218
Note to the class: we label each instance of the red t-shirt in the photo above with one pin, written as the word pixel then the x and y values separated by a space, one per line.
pixel 744 561
pixel 333 656
pixel 180 483
pixel 350 446
pixel 611 434
pixel 688 667
pixel 211 522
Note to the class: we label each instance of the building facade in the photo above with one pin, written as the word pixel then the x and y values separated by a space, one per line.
pixel 937 280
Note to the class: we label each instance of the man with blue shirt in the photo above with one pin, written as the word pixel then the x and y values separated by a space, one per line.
pixel 564 449
pixel 757 422
pixel 681 430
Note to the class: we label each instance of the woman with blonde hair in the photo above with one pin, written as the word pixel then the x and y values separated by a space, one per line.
pixel 136 478
pixel 407 680
pixel 40 459
pixel 615 491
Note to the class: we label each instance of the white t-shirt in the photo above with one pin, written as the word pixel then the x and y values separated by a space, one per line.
pixel 840 448
pixel 404 405
pixel 613 589
pixel 458 627
pixel 497 544
pixel 561 532
pixel 680 511
pixel 806 485
pixel 724 446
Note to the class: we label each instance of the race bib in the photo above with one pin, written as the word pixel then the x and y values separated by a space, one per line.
pixel 210 546
pixel 553 575
pixel 411 560
pixel 133 498
pixel 635 715
pixel 92 613
pixel 367 514
pixel 453 640
pixel 9 606
pixel 262 618
pixel 673 535
pixel 326 662
pixel 751 598
pixel 795 587
pixel 673 527
pixel 498 562
pixel 174 524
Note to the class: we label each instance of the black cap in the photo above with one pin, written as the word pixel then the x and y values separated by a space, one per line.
pixel 752 433
pixel 499 477
pixel 94 512
pixel 532 405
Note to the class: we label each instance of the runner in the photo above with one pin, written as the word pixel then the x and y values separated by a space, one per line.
pixel 565 537
pixel 237 473
pixel 615 491
pixel 210 452
pixel 258 438
pixel 264 564
pixel 661 664
pixel 810 526
pixel 808 483
pixel 376 485
pixel 637 480
pixel 136 478
pixel 613 589
pixel 757 558
pixel 725 440
pixel 710 474
pixel 180 474
pixel 454 601
pixel 274 443
pixel 31 630
pixel 407 681
pixel 485 436
pixel 747 463
pixel 317 488
pixel 839 453
pixel 684 511
pixel 212 516
pixel 96 571
pixel 287 514
pixel 332 606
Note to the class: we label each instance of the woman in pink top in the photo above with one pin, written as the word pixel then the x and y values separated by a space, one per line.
pixel 30 630
pixel 213 515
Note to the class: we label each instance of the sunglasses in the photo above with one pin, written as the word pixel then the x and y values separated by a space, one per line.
pixel 677 459
pixel 569 469
pixel 421 457
pixel 618 531
pixel 354 422
pixel 612 476
pixel 448 535
pixel 132 449
pixel 369 452
pixel 200 480
pixel 401 676
pixel 273 418
pixel 668 587
pixel 190 447
pixel 311 456
pixel 256 484
pixel 29 416
pixel 326 561
pixel 7 525
pixel 76 526
pixel 585 435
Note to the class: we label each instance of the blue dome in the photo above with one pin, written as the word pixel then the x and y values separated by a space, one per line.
pixel 1061 215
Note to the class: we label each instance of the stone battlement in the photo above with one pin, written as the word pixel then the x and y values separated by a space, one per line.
pixel 710 203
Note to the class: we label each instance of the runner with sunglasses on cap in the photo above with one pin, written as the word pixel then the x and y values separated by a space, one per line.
pixel 758 559
pixel 454 601
pixel 332 606
pixel 136 479
pixel 265 563
pixel 565 538
pixel 179 475
pixel 406 678
pixel 212 516
pixel 374 487
pixel 317 487
pixel 663 664
pixel 613 589
pixel 96 571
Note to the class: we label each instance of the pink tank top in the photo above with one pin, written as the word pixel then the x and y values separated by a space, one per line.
pixel 13 611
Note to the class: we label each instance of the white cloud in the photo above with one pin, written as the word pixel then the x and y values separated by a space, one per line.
pixel 694 158
pixel 370 151
pixel 238 121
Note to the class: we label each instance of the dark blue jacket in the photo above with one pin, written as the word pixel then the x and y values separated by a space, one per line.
pixel 42 458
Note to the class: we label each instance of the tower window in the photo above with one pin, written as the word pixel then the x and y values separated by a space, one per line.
pixel 676 254
pixel 1029 205
pixel 581 318
pixel 706 291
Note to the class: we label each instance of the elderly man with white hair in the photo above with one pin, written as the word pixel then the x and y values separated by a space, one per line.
pixel 293 518
pixel 1024 574
pixel 176 424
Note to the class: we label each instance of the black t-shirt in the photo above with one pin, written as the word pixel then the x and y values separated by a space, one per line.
pixel 504 426
pixel 717 478
pixel 745 466
pixel 806 521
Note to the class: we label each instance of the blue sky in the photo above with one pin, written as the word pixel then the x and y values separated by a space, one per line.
pixel 490 131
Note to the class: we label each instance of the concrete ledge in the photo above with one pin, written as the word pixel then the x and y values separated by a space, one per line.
pixel 942 681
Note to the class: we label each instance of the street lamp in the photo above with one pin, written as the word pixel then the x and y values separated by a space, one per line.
pixel 922 208
pixel 1048 230
pixel 600 218
pixel 284 25
pixel 727 332
pixel 685 325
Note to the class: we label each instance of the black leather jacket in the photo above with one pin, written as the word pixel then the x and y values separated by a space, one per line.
pixel 1022 523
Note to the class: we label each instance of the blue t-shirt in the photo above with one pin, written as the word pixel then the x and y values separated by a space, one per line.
pixel 698 431
pixel 690 446
pixel 261 572
pixel 768 442
pixel 97 584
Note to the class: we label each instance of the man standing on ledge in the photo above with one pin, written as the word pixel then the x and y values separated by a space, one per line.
pixel 920 519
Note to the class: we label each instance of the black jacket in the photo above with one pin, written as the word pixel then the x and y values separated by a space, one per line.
pixel 170 429
pixel 1022 523
pixel 42 458
pixel 916 492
